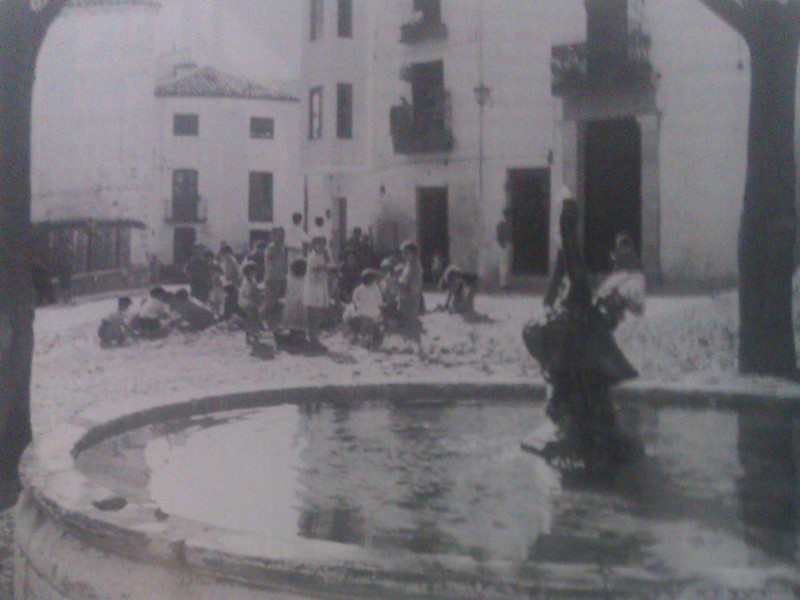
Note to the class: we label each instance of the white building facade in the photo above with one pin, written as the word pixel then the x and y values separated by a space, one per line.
pixel 106 160
pixel 93 136
pixel 426 118
pixel 227 164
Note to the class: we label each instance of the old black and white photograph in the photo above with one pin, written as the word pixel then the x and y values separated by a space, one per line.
pixel 399 299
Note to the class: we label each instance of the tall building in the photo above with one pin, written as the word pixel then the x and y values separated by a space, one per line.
pixel 114 172
pixel 426 118
pixel 226 169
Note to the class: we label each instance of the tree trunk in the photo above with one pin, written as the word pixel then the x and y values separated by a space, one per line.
pixel 767 236
pixel 21 33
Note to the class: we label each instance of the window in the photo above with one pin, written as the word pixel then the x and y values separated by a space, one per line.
pixel 428 95
pixel 344 110
pixel 185 199
pixel 345 24
pixel 317 12
pixel 185 125
pixel 184 183
pixel 262 128
pixel 260 203
pixel 315 113
pixel 431 10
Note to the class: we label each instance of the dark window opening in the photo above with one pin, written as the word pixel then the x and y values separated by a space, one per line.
pixel 428 95
pixel 183 124
pixel 185 199
pixel 344 111
pixel 431 10
pixel 260 200
pixel 606 33
pixel 315 114
pixel 345 24
pixel 317 19
pixel 262 128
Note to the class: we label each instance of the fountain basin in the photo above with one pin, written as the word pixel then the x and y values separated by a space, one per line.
pixel 402 490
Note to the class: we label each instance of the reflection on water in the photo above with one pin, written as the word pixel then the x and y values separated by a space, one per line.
pixel 716 489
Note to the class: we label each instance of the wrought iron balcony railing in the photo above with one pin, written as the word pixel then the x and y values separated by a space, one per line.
pixel 575 69
pixel 185 211
pixel 422 29
pixel 421 132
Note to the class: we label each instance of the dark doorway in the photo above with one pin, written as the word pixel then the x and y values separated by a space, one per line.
pixel 432 227
pixel 183 244
pixel 529 200
pixel 613 188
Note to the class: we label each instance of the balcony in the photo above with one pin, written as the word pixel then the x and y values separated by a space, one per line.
pixel 576 70
pixel 185 211
pixel 421 132
pixel 422 29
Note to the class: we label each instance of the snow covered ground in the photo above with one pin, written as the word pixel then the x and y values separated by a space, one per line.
pixel 676 337
pixel 688 338
pixel 680 338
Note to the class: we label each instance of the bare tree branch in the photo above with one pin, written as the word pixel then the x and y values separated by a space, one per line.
pixel 730 11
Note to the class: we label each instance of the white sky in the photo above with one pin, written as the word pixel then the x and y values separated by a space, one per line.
pixel 258 39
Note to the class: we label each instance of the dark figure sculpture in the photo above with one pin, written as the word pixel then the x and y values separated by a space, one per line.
pixel 580 360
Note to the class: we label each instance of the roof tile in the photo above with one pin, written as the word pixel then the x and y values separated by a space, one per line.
pixel 208 82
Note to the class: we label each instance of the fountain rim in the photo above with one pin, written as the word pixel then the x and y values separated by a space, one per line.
pixel 52 485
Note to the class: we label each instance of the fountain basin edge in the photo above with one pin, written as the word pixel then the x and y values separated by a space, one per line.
pixel 67 548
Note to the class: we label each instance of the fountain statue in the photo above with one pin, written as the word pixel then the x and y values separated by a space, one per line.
pixel 580 360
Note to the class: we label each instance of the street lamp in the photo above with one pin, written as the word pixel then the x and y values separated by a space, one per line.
pixel 482 94
pixel 482 97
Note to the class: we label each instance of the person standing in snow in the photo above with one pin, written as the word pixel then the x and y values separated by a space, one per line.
pixel 506 247
pixel 230 266
pixel 410 293
pixel 250 301
pixel 316 298
pixel 296 240
pixel 198 271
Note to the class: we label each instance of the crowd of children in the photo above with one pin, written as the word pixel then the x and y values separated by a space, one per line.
pixel 283 294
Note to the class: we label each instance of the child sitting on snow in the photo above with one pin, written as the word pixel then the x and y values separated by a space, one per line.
pixel 153 316
pixel 461 289
pixel 192 315
pixel 363 314
pixel 114 329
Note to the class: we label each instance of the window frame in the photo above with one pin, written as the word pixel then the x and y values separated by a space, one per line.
pixel 344 18
pixel 344 111
pixel 317 20
pixel 261 209
pixel 267 133
pixel 315 113
pixel 180 122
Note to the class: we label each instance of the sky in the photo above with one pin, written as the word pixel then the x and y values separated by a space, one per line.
pixel 258 39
